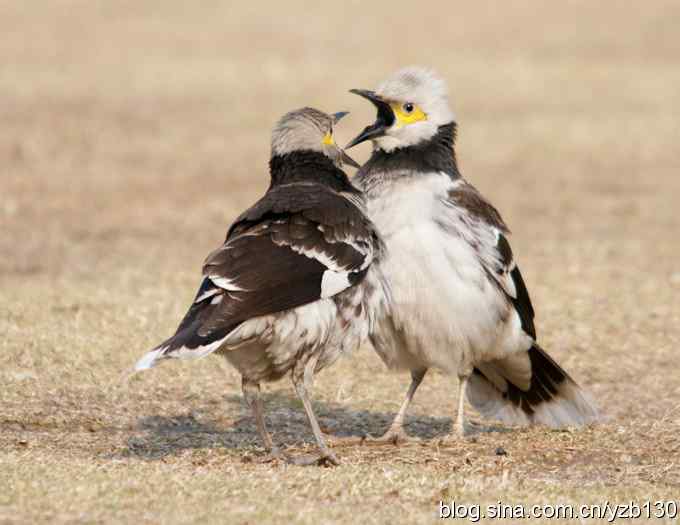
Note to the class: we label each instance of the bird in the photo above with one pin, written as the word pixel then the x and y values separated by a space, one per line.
pixel 283 294
pixel 452 296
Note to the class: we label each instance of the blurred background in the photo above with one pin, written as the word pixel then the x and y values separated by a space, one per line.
pixel 123 120
pixel 132 134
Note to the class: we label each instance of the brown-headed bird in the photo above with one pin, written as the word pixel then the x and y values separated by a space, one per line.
pixel 284 293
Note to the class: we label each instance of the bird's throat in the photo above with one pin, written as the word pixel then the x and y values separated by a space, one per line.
pixel 434 154
pixel 308 166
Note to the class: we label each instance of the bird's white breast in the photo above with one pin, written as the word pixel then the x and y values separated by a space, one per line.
pixel 444 308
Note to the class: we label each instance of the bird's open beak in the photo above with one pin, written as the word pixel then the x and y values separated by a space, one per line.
pixel 383 121
pixel 346 159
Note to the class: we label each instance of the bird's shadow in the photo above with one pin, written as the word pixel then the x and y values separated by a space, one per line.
pixel 161 436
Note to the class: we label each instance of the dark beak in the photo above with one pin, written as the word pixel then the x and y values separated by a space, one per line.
pixel 384 118
pixel 346 159
pixel 337 116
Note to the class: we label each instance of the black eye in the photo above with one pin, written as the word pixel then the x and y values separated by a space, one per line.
pixel 408 107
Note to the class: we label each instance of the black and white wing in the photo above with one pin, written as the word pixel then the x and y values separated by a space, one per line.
pixel 527 386
pixel 495 253
pixel 298 244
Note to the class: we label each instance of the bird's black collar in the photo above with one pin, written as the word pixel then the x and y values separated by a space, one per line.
pixel 308 166
pixel 436 154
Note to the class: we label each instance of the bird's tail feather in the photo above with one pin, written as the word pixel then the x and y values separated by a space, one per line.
pixel 149 359
pixel 174 349
pixel 195 337
pixel 551 397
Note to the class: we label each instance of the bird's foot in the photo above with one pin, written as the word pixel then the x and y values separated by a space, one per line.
pixel 274 455
pixel 457 435
pixel 326 459
pixel 391 437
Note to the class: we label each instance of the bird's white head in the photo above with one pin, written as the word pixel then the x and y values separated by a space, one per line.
pixel 309 129
pixel 411 105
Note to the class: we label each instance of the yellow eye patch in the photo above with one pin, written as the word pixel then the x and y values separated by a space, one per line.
pixel 404 117
pixel 328 139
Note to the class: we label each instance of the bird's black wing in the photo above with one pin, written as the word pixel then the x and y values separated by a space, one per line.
pixel 527 385
pixel 508 272
pixel 299 243
pixel 495 251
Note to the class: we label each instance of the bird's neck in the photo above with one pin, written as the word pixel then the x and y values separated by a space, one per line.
pixel 308 166
pixel 435 154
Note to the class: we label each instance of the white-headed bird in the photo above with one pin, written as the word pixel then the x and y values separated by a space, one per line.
pixel 283 294
pixel 453 296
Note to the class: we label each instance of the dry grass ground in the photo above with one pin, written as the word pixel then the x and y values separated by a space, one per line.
pixel 132 133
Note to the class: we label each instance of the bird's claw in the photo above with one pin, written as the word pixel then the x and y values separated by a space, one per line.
pixel 274 455
pixel 325 459
pixel 390 437
pixel 453 438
